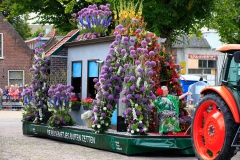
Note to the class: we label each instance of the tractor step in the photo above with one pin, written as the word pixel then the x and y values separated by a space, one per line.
pixel 236 142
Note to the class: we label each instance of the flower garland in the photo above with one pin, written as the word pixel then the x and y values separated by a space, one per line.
pixel 40 76
pixel 110 82
pixel 59 103
pixel 92 21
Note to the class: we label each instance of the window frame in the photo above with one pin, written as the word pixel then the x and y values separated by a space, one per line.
pixel 23 78
pixel 80 90
pixel 1 45
pixel 98 65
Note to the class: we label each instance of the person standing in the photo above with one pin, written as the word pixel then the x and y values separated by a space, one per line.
pixel 168 110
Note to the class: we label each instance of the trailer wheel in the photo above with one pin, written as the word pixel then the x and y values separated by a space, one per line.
pixel 213 129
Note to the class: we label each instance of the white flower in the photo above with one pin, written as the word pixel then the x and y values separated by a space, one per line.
pixel 132 131
pixel 86 115
pixel 145 129
pixel 140 121
pixel 134 114
pixel 101 117
pixel 98 126
pixel 145 84
pixel 102 122
pixel 137 130
pixel 119 70
pixel 93 125
pixel 106 124
pixel 104 108
pixel 128 130
pixel 138 81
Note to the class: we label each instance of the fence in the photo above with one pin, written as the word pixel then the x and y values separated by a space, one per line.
pixel 9 102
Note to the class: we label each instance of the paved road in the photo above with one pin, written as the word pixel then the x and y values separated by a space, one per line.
pixel 15 146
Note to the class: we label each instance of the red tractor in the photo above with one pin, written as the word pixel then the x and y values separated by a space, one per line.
pixel 215 126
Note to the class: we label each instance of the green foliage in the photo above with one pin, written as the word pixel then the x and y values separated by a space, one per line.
pixel 37 32
pixel 226 20
pixel 169 19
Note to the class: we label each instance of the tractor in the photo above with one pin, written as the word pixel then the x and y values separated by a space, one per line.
pixel 215 127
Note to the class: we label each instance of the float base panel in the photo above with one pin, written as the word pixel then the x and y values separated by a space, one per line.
pixel 128 145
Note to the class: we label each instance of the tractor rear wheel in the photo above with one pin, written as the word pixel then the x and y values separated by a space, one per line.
pixel 213 129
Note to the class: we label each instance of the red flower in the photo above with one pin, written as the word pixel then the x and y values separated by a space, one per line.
pixel 159 91
pixel 73 99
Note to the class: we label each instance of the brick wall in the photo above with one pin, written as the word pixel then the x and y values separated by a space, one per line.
pixel 58 70
pixel 16 54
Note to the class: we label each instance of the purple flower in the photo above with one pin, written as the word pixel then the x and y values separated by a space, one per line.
pixel 105 93
pixel 138 30
pixel 123 51
pixel 143 89
pixel 151 53
pixel 95 80
pixel 140 70
pixel 153 63
pixel 129 96
pixel 117 88
pixel 95 109
pixel 95 122
pixel 137 62
pixel 63 122
pixel 132 78
pixel 150 73
pixel 110 97
pixel 123 100
pixel 144 43
pixel 103 115
pixel 137 112
pixel 137 96
pixel 109 106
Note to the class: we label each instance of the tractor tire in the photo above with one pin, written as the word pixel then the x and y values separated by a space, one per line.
pixel 213 129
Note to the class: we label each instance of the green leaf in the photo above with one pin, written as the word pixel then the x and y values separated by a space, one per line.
pixel 134 126
pixel 140 118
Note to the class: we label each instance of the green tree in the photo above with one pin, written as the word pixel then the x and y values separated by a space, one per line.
pixel 47 11
pixel 171 18
pixel 37 32
pixel 226 20
pixel 20 24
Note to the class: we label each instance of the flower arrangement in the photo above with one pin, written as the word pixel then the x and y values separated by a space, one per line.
pixel 92 21
pixel 29 112
pixel 74 101
pixel 87 115
pixel 60 104
pixel 87 102
pixel 129 15
pixel 35 97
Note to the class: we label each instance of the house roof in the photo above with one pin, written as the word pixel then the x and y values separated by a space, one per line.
pixel 191 42
pixel 59 45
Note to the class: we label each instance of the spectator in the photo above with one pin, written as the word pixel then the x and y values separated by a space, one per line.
pixel 1 92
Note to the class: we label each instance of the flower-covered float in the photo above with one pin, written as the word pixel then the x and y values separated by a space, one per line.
pixel 134 67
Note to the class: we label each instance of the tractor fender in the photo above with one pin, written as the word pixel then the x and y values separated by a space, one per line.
pixel 227 96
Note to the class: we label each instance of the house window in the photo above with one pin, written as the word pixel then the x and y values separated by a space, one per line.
pixel 93 72
pixel 77 77
pixel 207 64
pixel 1 45
pixel 16 77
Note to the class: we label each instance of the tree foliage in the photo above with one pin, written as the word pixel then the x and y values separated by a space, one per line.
pixel 171 18
pixel 226 20
pixel 166 18
pixel 19 22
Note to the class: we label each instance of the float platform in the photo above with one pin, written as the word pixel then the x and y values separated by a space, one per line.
pixel 119 142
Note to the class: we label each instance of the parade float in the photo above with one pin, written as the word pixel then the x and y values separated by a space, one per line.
pixel 134 68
